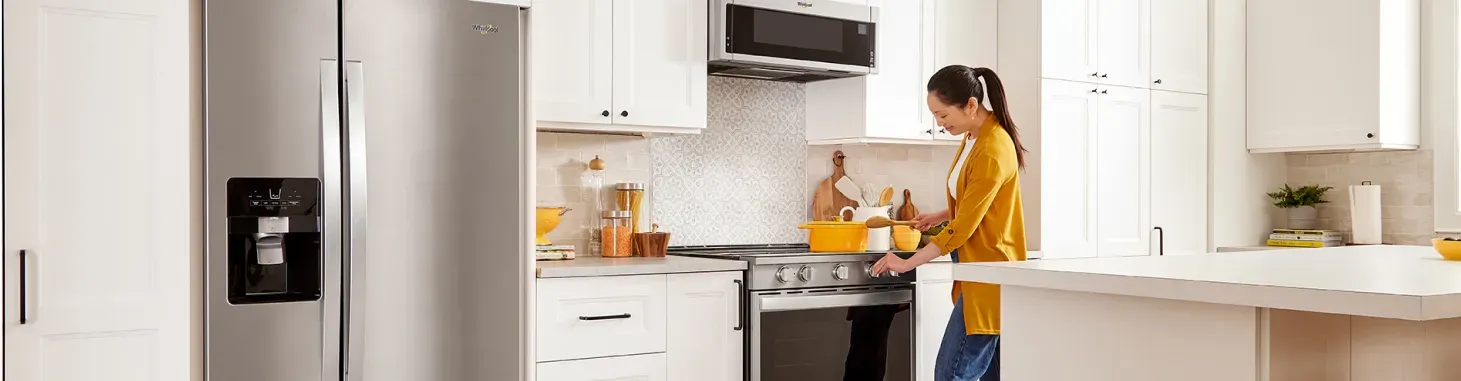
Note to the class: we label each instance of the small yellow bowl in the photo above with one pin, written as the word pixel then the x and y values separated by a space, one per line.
pixel 905 238
pixel 1450 250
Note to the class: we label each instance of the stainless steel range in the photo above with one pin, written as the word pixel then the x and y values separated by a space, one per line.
pixel 822 316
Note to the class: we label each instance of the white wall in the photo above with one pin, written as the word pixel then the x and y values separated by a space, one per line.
pixel 1240 214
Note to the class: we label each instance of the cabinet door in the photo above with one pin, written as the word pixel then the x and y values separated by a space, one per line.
pixel 98 187
pixel 659 63
pixel 706 331
pixel 1124 43
pixel 1122 175
pixel 573 60
pixel 896 96
pixel 934 304
pixel 650 367
pixel 1179 45
pixel 1068 39
pixel 1179 172
pixel 1068 129
pixel 963 33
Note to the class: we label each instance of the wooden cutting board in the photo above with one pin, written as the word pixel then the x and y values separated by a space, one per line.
pixel 827 201
pixel 907 211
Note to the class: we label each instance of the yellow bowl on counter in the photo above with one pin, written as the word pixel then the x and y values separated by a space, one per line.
pixel 836 236
pixel 548 218
pixel 905 238
pixel 1450 250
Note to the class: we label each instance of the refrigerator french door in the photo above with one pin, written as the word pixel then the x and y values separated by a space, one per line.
pixel 342 134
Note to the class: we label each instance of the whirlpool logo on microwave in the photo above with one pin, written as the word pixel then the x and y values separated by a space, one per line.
pixel 484 28
pixel 804 4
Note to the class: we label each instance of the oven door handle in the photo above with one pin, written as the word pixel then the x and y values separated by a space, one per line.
pixel 813 301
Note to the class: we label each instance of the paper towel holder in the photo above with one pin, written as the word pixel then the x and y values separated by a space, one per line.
pixel 1365 220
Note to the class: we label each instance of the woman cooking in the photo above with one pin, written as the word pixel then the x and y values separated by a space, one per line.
pixel 986 220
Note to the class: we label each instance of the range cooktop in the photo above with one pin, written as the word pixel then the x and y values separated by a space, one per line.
pixel 785 266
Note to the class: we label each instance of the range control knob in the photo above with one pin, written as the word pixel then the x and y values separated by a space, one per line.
pixel 805 274
pixel 868 269
pixel 840 272
pixel 783 274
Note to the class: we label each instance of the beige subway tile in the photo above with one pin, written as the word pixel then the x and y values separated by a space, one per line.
pixel 556 158
pixel 1296 160
pixel 580 142
pixel 892 153
pixel 1327 159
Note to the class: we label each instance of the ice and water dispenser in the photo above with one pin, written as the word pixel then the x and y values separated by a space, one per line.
pixel 274 236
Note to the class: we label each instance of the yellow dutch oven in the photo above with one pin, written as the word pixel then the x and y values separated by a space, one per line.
pixel 836 236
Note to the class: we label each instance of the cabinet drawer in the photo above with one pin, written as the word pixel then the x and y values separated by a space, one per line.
pixel 649 367
pixel 600 316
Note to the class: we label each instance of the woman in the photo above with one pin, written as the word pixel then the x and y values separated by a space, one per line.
pixel 986 220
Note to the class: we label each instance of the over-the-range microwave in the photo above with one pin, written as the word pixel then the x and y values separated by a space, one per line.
pixel 792 40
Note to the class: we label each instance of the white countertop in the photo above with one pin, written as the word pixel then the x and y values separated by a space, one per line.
pixel 598 266
pixel 1401 282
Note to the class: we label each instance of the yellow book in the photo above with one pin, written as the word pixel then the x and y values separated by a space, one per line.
pixel 1289 243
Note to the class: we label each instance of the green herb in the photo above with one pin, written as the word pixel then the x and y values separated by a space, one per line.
pixel 936 228
pixel 1308 195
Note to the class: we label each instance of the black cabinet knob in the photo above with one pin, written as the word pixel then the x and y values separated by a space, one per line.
pixel 1158 82
pixel 605 113
pixel 930 131
pixel 1095 74
pixel 1103 91
pixel 623 113
pixel 1093 91
pixel 1370 135
pixel 1103 76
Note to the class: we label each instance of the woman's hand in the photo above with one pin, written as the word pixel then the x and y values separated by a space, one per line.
pixel 892 263
pixel 928 220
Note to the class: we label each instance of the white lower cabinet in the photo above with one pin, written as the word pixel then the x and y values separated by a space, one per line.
pixel 933 302
pixel 642 327
pixel 650 367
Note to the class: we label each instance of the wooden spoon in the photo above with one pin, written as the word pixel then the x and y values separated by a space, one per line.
pixel 886 199
pixel 883 222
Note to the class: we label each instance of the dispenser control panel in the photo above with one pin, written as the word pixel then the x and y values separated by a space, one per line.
pixel 273 197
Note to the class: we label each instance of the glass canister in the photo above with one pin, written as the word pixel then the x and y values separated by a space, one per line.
pixel 615 233
pixel 593 188
pixel 631 198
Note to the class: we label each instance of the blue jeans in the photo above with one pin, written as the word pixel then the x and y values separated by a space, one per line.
pixel 964 357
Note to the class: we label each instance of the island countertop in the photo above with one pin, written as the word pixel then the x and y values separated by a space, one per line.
pixel 1399 282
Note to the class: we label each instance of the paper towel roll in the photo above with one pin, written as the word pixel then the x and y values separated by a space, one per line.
pixel 1364 210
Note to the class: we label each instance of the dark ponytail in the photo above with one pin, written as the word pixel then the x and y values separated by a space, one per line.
pixel 955 84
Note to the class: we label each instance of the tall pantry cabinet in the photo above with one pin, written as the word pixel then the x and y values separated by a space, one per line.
pixel 1123 127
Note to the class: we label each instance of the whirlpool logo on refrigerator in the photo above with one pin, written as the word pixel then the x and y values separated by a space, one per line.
pixel 484 28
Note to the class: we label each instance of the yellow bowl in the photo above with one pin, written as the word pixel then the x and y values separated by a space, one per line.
pixel 837 236
pixel 905 238
pixel 1450 250
pixel 548 219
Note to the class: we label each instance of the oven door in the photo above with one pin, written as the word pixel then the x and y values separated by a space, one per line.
pixel 832 36
pixel 806 335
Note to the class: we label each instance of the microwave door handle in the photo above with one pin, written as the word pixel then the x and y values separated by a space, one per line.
pixel 809 302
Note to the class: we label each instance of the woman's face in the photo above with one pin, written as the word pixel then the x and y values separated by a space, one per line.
pixel 957 120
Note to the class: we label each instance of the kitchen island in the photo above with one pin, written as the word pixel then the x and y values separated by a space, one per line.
pixel 1357 313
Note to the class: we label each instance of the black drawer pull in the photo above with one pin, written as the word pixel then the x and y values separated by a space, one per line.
pixel 604 317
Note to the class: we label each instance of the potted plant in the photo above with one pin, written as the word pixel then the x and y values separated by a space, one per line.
pixel 1301 203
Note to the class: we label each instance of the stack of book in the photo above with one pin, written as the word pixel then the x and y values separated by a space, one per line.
pixel 1305 238
pixel 554 252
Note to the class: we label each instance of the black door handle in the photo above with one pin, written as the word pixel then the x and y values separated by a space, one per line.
pixel 740 305
pixel 624 113
pixel 604 317
pixel 1161 241
pixel 22 287
pixel 605 113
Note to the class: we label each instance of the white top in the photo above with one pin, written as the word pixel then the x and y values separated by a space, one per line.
pixel 959 167
pixel 1399 282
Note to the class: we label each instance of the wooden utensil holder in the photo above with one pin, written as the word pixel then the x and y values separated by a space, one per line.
pixel 653 244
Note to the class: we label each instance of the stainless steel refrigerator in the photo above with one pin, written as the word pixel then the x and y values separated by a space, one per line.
pixel 363 189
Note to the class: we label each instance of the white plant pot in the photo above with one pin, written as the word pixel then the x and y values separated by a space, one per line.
pixel 1303 218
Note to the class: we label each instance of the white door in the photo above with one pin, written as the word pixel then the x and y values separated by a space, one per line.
pixel 1124 41
pixel 99 190
pixel 896 95
pixel 706 332
pixel 1068 113
pixel 932 299
pixel 1179 172
pixel 1068 40
pixel 659 63
pixel 650 367
pixel 962 32
pixel 573 47
pixel 1122 173
pixel 1179 45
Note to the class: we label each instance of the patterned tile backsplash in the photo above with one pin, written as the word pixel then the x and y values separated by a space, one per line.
pixel 748 179
pixel 1405 181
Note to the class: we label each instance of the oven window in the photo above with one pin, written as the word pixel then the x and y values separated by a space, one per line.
pixel 773 33
pixel 813 345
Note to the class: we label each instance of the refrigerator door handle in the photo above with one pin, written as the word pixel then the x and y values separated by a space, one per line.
pixel 353 265
pixel 331 172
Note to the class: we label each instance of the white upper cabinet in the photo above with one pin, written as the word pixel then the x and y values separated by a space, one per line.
pixel 635 66
pixel 1123 42
pixel 1068 37
pixel 1179 173
pixel 915 39
pixel 1333 76
pixel 1179 46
